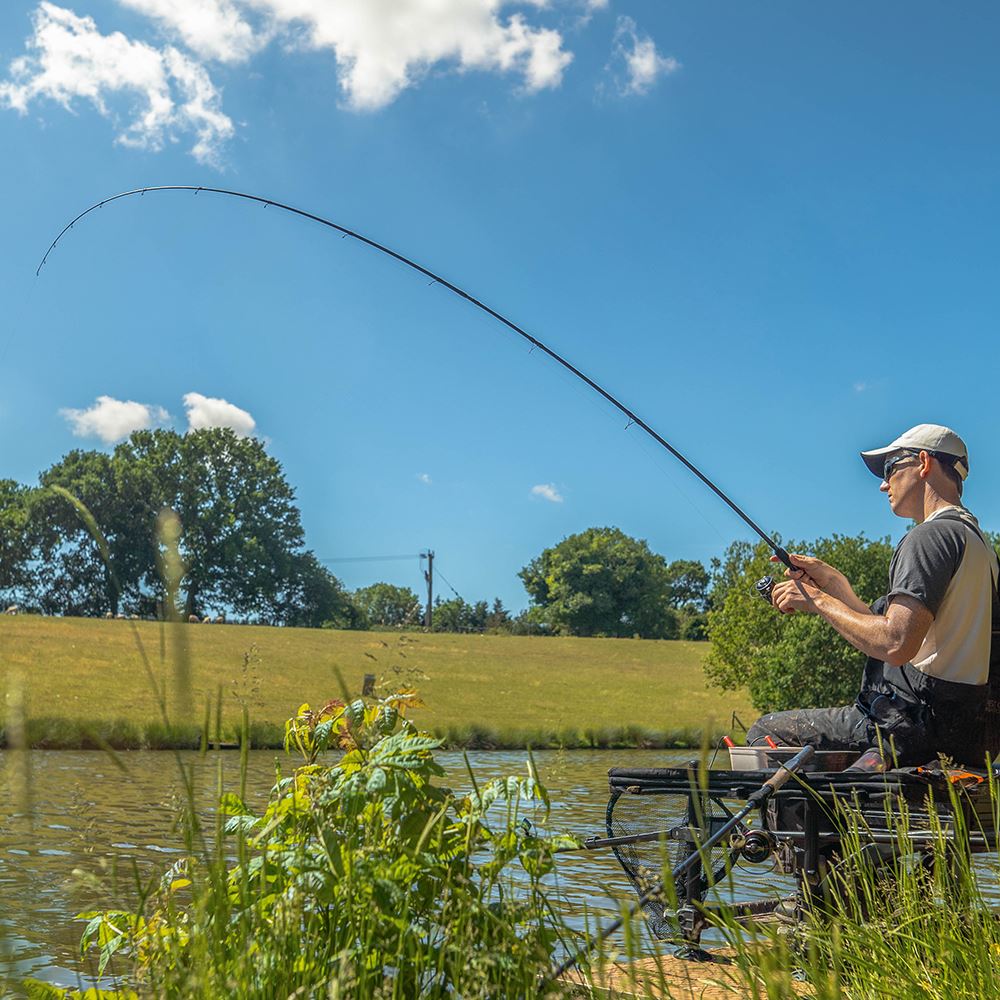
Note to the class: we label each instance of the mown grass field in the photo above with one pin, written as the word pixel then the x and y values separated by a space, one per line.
pixel 82 682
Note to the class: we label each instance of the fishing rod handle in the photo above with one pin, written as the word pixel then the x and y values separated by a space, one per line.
pixel 784 557
pixel 784 772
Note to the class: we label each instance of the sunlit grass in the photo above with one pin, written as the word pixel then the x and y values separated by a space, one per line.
pixel 85 683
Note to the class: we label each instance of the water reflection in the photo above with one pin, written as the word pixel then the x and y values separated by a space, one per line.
pixel 98 828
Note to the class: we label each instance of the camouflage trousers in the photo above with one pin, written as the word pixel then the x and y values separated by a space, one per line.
pixel 844 728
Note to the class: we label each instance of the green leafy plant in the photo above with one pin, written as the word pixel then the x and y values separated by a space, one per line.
pixel 362 877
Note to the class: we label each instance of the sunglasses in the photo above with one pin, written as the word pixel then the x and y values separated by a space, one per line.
pixel 892 464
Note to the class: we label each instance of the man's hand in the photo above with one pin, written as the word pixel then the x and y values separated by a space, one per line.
pixel 798 594
pixel 825 577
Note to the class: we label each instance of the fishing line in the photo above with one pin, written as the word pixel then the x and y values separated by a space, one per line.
pixel 438 279
pixel 601 407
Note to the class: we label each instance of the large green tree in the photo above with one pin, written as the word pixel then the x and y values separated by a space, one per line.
pixel 17 544
pixel 601 582
pixel 241 539
pixel 74 578
pixel 316 598
pixel 688 594
pixel 241 526
pixel 788 661
pixel 386 604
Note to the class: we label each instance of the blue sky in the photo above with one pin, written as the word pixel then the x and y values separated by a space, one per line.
pixel 770 229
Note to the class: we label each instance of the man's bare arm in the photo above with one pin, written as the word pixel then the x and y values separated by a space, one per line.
pixel 893 637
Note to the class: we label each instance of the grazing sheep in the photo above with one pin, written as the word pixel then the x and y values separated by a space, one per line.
pixel 220 620
pixel 120 616
pixel 109 615
pixel 207 620
pixel 12 610
pixel 193 619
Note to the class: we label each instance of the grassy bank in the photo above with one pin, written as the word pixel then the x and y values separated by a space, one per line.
pixel 82 683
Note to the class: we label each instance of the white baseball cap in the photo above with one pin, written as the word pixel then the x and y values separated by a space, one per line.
pixel 923 437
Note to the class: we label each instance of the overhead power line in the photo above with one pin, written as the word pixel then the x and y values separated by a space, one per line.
pixel 450 587
pixel 413 555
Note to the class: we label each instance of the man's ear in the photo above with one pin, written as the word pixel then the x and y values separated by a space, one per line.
pixel 925 464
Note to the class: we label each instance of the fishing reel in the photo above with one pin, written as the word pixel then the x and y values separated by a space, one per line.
pixel 756 846
pixel 763 587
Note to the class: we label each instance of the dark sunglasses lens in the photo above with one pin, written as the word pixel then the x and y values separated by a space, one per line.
pixel 891 464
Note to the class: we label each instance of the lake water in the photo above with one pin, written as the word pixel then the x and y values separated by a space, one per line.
pixel 93 823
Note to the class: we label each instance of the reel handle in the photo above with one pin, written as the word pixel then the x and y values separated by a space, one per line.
pixel 763 588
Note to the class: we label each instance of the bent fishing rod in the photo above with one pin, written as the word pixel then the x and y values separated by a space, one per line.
pixel 781 554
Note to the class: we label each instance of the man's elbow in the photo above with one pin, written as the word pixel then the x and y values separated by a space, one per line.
pixel 902 651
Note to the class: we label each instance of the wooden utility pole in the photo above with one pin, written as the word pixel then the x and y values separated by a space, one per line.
pixel 429 577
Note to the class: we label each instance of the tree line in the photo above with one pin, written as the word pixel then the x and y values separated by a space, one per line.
pixel 242 551
pixel 242 543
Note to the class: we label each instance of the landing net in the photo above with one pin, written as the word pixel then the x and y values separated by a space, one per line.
pixel 646 863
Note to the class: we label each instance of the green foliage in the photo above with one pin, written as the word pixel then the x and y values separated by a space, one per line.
pixel 687 585
pixel 17 542
pixel 385 604
pixel 37 989
pixel 601 582
pixel 240 544
pixel 788 661
pixel 457 615
pixel 362 878
pixel 316 598
pixel 241 527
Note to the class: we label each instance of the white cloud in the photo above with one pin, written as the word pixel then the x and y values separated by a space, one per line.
pixel 861 386
pixel 204 412
pixel 157 93
pixel 636 61
pixel 384 46
pixel 547 491
pixel 214 29
pixel 69 60
pixel 424 478
pixel 114 420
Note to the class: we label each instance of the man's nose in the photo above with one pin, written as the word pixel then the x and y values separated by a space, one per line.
pixel 884 488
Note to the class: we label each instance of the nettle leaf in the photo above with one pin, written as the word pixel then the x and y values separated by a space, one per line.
pixel 404 743
pixel 241 824
pixel 386 719
pixel 355 713
pixel 233 805
pixel 564 842
pixel 376 780
pixel 178 870
pixel 90 930
pixel 324 732
pixel 35 989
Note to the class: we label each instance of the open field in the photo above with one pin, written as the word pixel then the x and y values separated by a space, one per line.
pixel 82 682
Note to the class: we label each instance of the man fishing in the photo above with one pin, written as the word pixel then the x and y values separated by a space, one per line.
pixel 927 641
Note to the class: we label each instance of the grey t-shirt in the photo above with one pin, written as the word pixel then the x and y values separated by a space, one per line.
pixel 945 565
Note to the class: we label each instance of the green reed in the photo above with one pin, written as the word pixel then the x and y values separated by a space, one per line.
pixel 914 924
